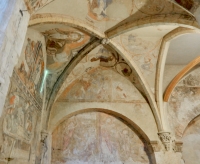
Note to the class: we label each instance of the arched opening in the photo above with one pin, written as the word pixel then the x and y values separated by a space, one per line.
pixel 179 111
pixel 191 141
pixel 93 136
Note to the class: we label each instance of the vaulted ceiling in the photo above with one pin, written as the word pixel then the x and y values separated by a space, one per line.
pixel 134 38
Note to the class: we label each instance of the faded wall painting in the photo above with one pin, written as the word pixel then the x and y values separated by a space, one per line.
pixel 24 102
pixel 97 138
pixel 191 142
pixel 100 56
pixel 6 146
pixel 97 9
pixel 104 85
pixel 104 14
pixel 143 51
pixel 33 5
pixel 100 10
pixel 105 58
pixel 62 44
pixel 184 103
pixel 31 68
pixel 21 113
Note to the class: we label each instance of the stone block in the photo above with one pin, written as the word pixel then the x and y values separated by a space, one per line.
pixel 11 31
pixel 5 53
pixel 4 87
pixel 13 56
pixel 2 36
pixel 18 45
pixel 2 102
pixel 9 67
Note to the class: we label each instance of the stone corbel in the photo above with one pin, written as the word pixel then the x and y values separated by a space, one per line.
pixel 165 137
pixel 44 135
pixel 177 146
pixel 155 146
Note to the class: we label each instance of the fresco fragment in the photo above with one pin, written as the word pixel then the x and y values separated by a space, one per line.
pixel 97 138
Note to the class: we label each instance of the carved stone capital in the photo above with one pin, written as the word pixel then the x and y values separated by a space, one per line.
pixel 177 146
pixel 165 137
pixel 44 135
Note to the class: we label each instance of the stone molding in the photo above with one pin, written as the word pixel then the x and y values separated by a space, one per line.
pixel 162 58
pixel 46 18
pixel 182 20
pixel 155 146
pixel 177 146
pixel 179 76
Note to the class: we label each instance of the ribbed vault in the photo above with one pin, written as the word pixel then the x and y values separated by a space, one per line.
pixel 100 81
pixel 122 36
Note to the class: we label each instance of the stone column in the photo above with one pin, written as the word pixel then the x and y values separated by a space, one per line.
pixel 44 147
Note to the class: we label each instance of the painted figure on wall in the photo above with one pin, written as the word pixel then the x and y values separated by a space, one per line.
pixel 29 57
pixel 6 146
pixel 36 4
pixel 107 142
pixel 97 9
pixel 107 58
pixel 20 114
pixel 143 50
pixel 31 69
pixel 44 148
pixel 96 138
pixel 28 123
pixel 62 45
pixel 69 130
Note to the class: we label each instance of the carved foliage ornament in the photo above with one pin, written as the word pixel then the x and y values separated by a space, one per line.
pixel 165 137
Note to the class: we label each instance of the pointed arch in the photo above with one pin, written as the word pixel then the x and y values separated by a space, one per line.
pixel 179 76
pixel 162 59
pixel 61 19
pixel 125 118
pixel 167 19
pixel 47 18
pixel 161 66
pixel 144 84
